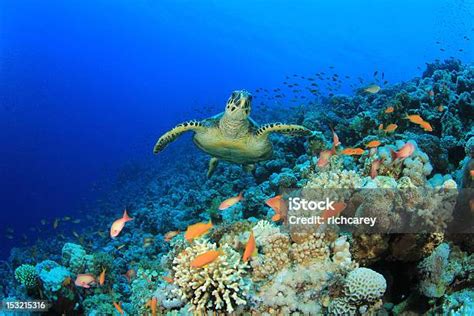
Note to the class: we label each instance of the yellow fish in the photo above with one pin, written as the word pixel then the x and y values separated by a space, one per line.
pixel 197 230
pixel 372 89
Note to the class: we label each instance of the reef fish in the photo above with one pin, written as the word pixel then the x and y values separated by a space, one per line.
pixel 426 126
pixel 278 205
pixel 390 109
pixel 415 118
pixel 372 89
pixel 373 144
pixel 352 151
pixel 205 258
pixel 391 128
pixel 374 168
pixel 250 248
pixel 197 230
pixel 168 279
pixel 152 303
pixel 324 158
pixel 84 280
pixel 130 274
pixel 118 225
pixel 102 277
pixel 170 235
pixel 231 201
pixel 404 152
pixel 118 307
pixel 337 209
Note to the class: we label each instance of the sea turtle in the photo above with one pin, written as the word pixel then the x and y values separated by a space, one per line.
pixel 232 136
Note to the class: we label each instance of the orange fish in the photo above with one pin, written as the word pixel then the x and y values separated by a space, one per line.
pixel 375 167
pixel 380 127
pixel 471 172
pixel 152 303
pixel 205 258
pixel 404 152
pixel 353 151
pixel 390 109
pixel 130 275
pixel 276 217
pixel 231 201
pixel 426 126
pixel 415 118
pixel 275 203
pixel 118 307
pixel 118 225
pixel 334 211
pixel 197 230
pixel 373 144
pixel 250 248
pixel 324 158
pixel 170 235
pixel 168 279
pixel 84 280
pixel 102 277
pixel 391 128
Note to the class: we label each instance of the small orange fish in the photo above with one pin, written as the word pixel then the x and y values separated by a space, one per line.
pixel 152 303
pixel 170 235
pixel 404 152
pixel 205 258
pixel 276 217
pixel 426 126
pixel 231 201
pixel 275 203
pixel 84 280
pixel 415 118
pixel 168 279
pixel 197 230
pixel 391 128
pixel 324 158
pixel 373 144
pixel 250 248
pixel 118 307
pixel 335 211
pixel 353 151
pixel 102 277
pixel 380 127
pixel 118 225
pixel 130 275
pixel 390 109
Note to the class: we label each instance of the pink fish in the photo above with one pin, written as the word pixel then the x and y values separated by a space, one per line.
pixel 375 167
pixel 404 152
pixel 118 225
pixel 324 158
pixel 84 280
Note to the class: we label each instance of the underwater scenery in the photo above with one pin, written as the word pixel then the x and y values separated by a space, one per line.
pixel 178 157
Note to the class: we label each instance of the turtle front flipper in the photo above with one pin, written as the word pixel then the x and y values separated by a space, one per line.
pixel 177 131
pixel 212 166
pixel 287 129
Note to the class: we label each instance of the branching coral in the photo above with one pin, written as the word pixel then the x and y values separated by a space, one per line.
pixel 219 286
pixel 26 274
pixel 275 256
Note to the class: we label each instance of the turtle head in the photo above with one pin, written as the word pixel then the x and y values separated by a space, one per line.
pixel 239 105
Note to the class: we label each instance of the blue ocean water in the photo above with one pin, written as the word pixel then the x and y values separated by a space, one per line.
pixel 88 86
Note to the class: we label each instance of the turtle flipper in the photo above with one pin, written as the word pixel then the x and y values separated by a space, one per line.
pixel 212 166
pixel 287 129
pixel 177 131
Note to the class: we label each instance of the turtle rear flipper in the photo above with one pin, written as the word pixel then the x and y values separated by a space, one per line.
pixel 287 129
pixel 177 131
